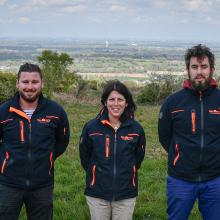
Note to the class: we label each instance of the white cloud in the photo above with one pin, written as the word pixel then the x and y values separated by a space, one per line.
pixel 117 8
pixel 2 2
pixel 52 3
pixel 198 5
pixel 73 9
pixel 144 19
pixel 160 3
pixel 23 20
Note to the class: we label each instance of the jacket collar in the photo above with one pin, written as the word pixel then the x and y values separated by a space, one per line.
pixel 188 86
pixel 15 101
pixel 103 118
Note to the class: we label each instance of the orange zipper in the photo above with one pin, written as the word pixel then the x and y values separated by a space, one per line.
pixel 177 156
pixel 51 162
pixel 134 175
pixel 4 162
pixel 193 118
pixel 22 130
pixel 93 175
pixel 107 143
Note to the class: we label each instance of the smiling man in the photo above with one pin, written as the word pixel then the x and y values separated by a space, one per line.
pixel 34 131
pixel 189 130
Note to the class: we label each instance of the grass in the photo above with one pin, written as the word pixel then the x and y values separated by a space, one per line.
pixel 69 200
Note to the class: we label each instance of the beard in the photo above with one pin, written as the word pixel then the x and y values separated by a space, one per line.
pixel 29 98
pixel 201 86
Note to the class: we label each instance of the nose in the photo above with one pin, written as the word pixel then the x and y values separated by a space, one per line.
pixel 29 85
pixel 116 102
pixel 199 70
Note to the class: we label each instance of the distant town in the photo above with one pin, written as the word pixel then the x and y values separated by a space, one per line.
pixel 94 58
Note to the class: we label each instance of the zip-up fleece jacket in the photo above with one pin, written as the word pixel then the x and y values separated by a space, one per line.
pixel 189 130
pixel 111 158
pixel 29 147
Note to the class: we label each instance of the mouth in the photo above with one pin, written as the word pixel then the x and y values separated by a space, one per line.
pixel 200 78
pixel 115 110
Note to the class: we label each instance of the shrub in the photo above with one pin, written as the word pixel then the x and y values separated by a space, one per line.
pixel 158 88
pixel 7 85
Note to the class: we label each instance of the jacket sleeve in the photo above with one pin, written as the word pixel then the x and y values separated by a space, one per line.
pixel 165 126
pixel 85 148
pixel 140 150
pixel 62 135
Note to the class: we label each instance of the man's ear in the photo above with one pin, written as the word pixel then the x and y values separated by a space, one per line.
pixel 212 70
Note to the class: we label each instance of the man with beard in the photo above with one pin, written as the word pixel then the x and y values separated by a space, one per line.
pixel 189 130
pixel 34 131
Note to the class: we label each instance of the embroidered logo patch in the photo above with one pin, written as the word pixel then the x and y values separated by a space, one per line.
pixel 126 138
pixel 43 120
pixel 215 112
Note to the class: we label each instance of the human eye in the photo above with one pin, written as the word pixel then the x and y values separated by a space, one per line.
pixel 121 99
pixel 194 66
pixel 35 81
pixel 111 99
pixel 205 66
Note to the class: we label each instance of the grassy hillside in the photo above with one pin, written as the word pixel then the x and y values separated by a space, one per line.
pixel 69 200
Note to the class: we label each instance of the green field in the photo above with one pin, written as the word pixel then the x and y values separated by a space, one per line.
pixel 69 200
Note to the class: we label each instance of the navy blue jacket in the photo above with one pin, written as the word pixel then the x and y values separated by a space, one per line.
pixel 111 157
pixel 29 146
pixel 189 130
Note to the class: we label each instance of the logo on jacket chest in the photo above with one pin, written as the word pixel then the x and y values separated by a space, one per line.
pixel 126 138
pixel 43 120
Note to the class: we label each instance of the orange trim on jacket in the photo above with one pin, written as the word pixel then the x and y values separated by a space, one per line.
pixel 106 122
pixel 133 135
pixel 4 162
pixel 22 130
pixel 177 156
pixel 193 118
pixel 214 112
pixel 51 162
pixel 93 175
pixel 19 112
pixel 95 133
pixel 134 175
pixel 10 119
pixel 107 143
pixel 52 116
pixel 178 110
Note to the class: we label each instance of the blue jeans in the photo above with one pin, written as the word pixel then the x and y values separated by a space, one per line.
pixel 181 196
pixel 38 203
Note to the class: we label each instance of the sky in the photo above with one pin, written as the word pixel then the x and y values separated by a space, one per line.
pixel 111 19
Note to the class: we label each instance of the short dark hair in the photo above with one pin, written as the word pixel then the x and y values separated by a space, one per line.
pixel 116 85
pixel 199 51
pixel 29 67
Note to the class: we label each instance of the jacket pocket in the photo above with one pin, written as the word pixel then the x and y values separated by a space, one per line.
pixel 134 176
pixel 51 162
pixel 7 156
pixel 21 131
pixel 107 144
pixel 177 155
pixel 193 120
pixel 92 184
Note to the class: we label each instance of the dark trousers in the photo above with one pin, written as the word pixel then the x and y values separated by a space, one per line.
pixel 181 196
pixel 38 203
